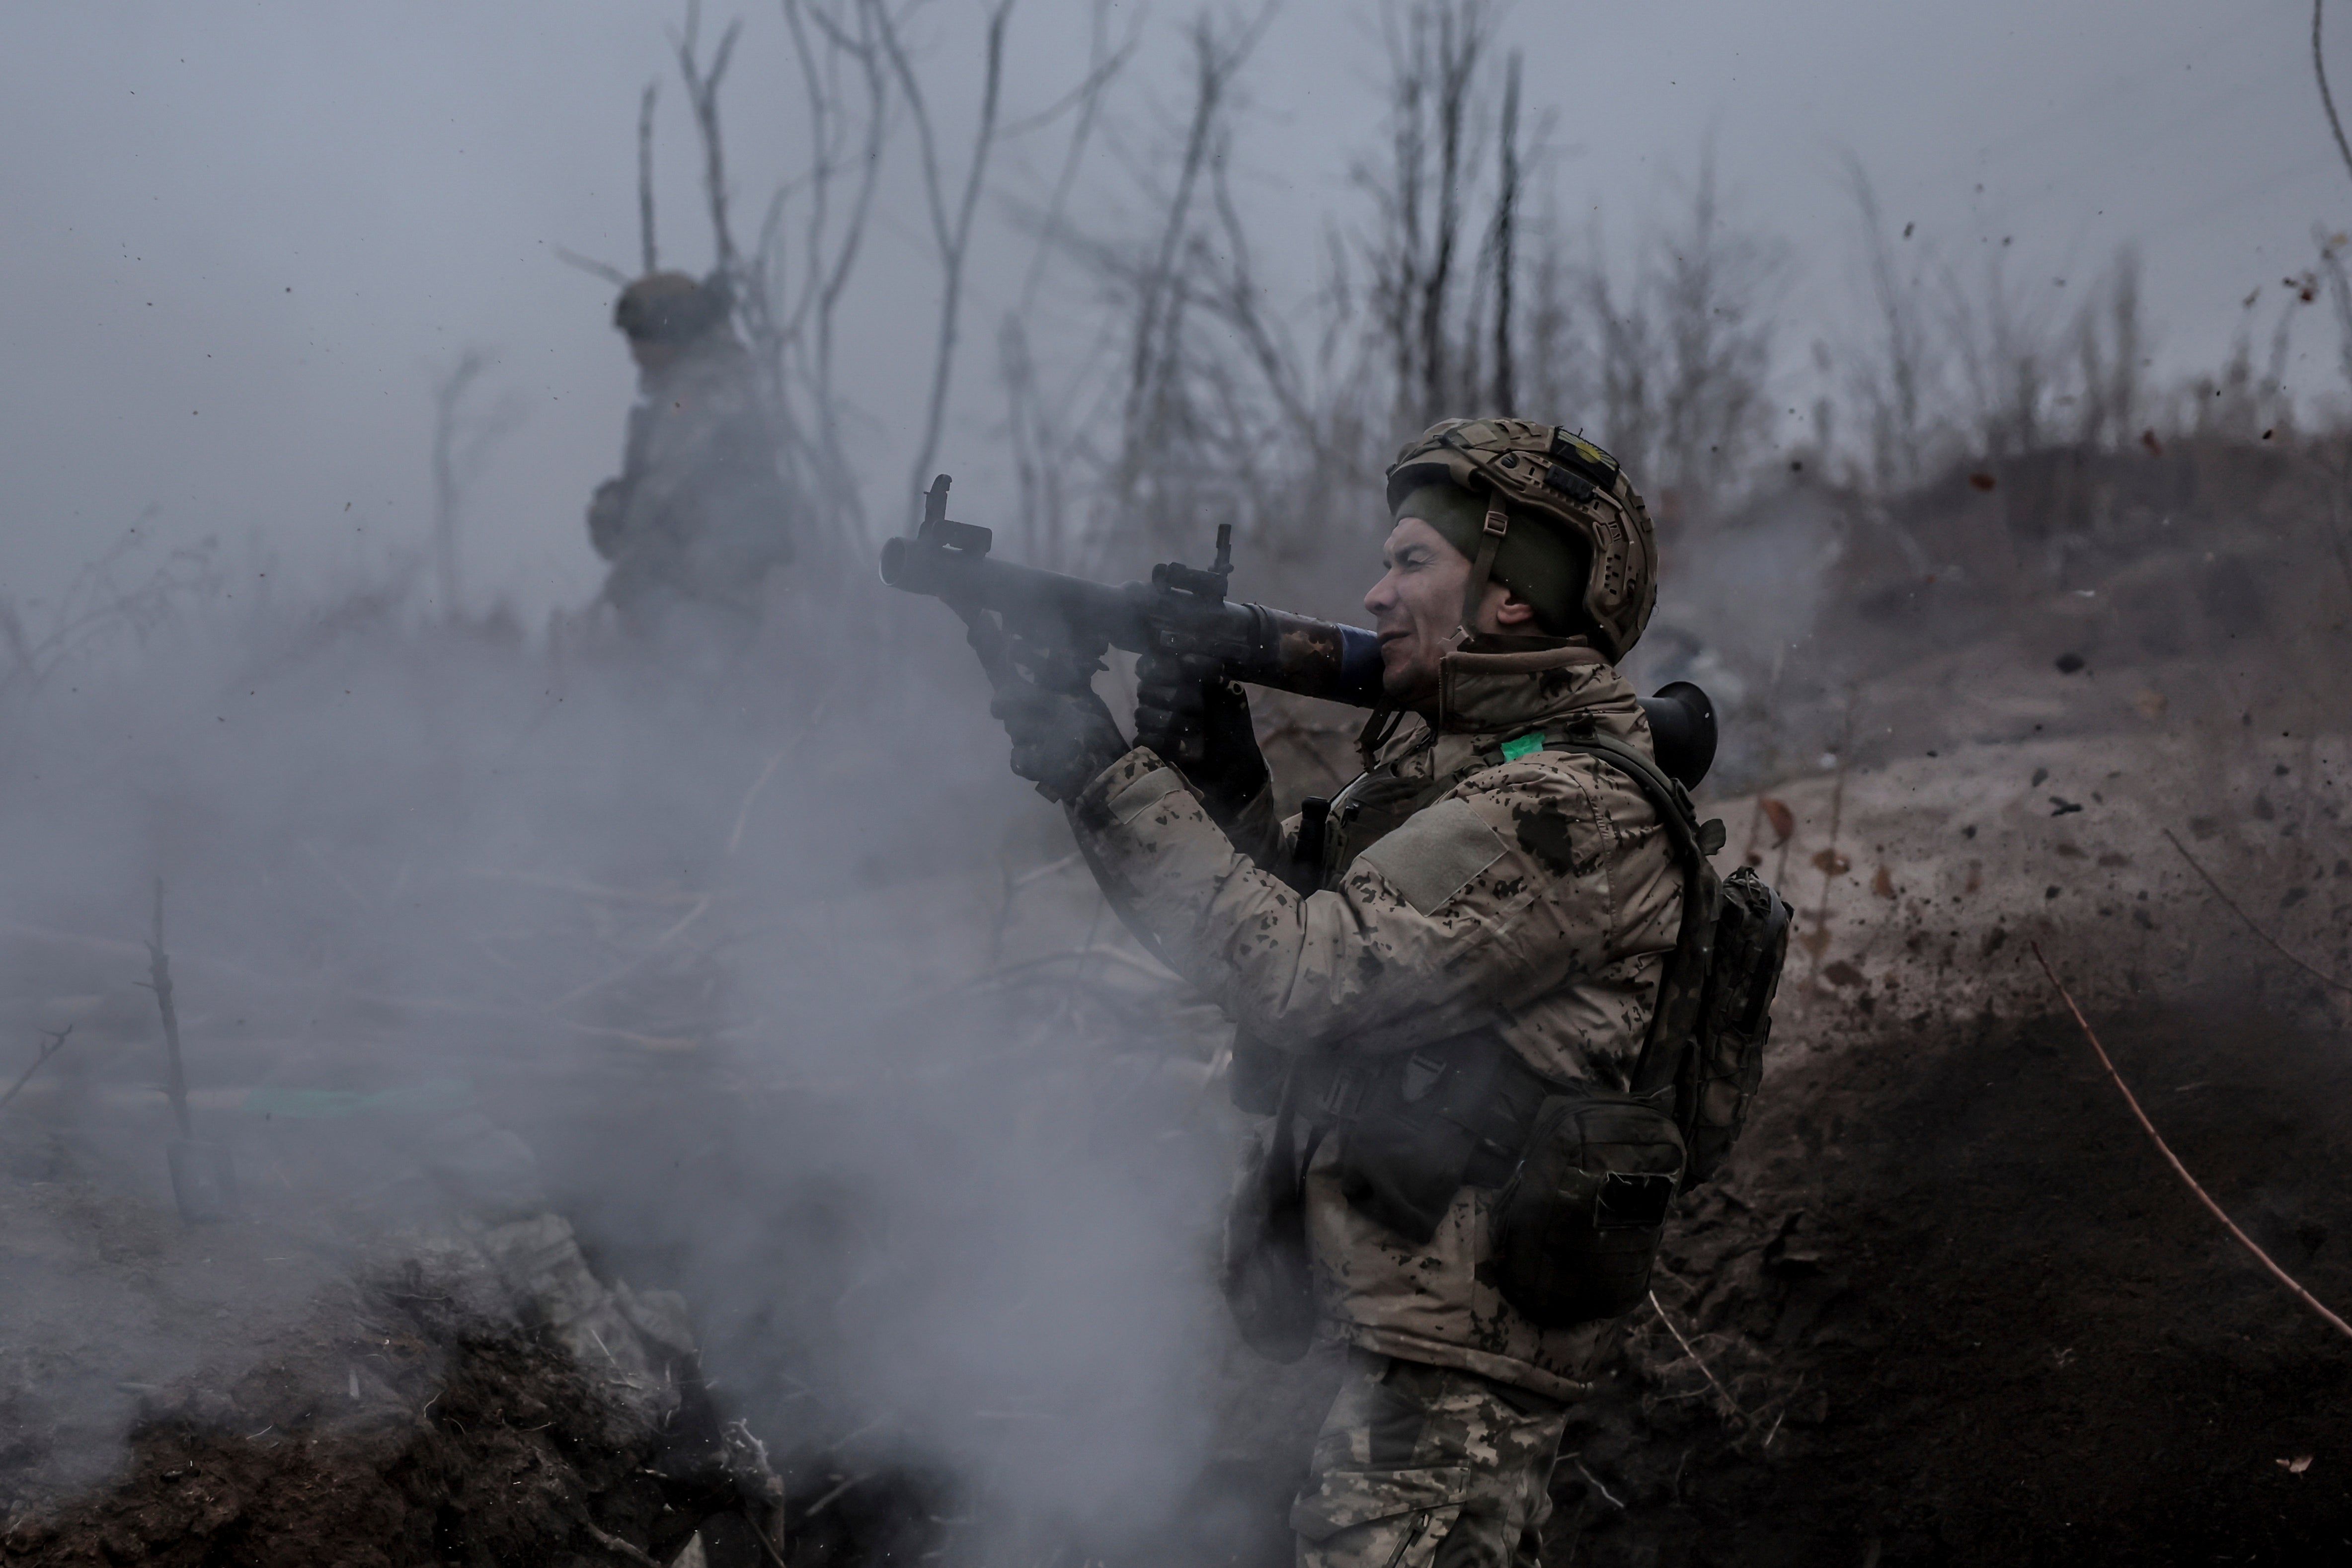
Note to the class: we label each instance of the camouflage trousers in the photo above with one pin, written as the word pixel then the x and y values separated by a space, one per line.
pixel 1425 1467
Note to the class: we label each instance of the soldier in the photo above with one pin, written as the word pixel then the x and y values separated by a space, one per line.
pixel 1483 908
pixel 697 518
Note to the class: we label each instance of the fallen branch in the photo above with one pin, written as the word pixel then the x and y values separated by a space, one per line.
pixel 762 1536
pixel 2308 1300
pixel 1731 1403
pixel 2258 930
pixel 702 906
pixel 51 1044
pixel 751 797
pixel 620 1548
pixel 1607 1496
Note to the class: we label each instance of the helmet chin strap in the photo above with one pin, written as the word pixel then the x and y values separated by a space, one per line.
pixel 1481 566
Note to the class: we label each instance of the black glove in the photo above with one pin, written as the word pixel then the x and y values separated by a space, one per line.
pixel 1187 711
pixel 1061 740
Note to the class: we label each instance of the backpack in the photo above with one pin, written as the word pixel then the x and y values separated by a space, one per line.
pixel 1578 1227
pixel 1714 1014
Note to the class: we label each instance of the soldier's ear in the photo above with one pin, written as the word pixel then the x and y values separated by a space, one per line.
pixel 1513 611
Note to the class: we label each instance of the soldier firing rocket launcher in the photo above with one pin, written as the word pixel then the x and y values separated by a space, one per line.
pixel 1063 625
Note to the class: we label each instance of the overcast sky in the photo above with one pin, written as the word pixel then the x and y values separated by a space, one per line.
pixel 242 239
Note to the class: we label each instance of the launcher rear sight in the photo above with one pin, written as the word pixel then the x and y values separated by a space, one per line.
pixel 1210 584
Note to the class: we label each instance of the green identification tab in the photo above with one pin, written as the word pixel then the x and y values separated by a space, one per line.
pixel 1519 746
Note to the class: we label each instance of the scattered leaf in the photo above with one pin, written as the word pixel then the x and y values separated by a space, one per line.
pixel 2150 703
pixel 2295 1466
pixel 2155 447
pixel 1983 481
pixel 1783 820
pixel 2068 663
pixel 1883 883
pixel 1830 863
pixel 1842 973
pixel 1813 941
pixel 2039 774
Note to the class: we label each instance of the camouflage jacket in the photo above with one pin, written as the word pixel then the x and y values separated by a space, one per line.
pixel 1539 896
pixel 697 510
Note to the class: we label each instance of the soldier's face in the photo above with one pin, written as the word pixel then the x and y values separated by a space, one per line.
pixel 1415 607
pixel 651 354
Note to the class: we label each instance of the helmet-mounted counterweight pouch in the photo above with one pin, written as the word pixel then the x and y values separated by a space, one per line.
pixel 1545 477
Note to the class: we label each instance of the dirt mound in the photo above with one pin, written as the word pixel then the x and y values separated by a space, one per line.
pixel 397 1426
pixel 1967 1316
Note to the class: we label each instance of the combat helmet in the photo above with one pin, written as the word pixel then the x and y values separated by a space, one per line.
pixel 1544 477
pixel 670 308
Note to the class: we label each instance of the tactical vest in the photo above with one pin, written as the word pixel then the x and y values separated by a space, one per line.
pixel 1585 1174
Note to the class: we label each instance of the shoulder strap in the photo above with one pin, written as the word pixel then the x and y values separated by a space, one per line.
pixel 1675 1018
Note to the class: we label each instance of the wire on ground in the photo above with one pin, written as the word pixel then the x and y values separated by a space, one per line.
pixel 2306 1297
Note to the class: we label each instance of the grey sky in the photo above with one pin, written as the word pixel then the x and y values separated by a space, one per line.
pixel 241 238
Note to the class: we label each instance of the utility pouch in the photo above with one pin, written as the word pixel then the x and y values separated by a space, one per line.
pixel 1725 1065
pixel 1419 1127
pixel 1267 1281
pixel 1577 1229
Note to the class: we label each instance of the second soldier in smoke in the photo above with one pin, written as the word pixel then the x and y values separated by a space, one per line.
pixel 1481 907
pixel 698 518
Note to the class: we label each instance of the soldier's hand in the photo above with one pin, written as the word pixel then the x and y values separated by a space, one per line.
pixel 604 512
pixel 1060 740
pixel 1186 710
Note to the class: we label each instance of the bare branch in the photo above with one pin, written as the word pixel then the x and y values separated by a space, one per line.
pixel 702 94
pixel 592 266
pixel 951 233
pixel 2327 99
pixel 448 392
pixel 646 178
pixel 52 1042
pixel 1506 200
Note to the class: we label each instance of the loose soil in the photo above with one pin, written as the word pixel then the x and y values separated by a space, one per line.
pixel 464 1441
pixel 1970 1317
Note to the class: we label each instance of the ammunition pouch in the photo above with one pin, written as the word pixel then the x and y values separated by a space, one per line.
pixel 1577 1229
pixel 1422 1126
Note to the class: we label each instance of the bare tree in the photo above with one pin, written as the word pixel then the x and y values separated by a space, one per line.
pixel 951 224
pixel 122 595
pixel 1435 50
pixel 2008 350
pixel 1712 285
pixel 462 445
pixel 1506 200
pixel 1893 384
pixel 2107 335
